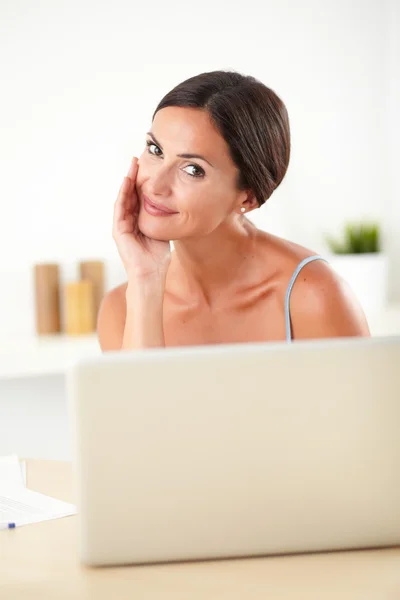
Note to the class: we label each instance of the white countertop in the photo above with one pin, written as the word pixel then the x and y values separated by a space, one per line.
pixel 26 356
pixel 43 355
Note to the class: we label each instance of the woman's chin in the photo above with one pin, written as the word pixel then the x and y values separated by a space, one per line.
pixel 154 227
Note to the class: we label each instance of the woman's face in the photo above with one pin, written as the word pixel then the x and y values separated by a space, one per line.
pixel 201 191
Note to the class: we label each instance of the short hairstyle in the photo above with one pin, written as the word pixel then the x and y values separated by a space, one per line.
pixel 252 119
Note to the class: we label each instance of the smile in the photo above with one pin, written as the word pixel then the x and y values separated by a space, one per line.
pixel 156 210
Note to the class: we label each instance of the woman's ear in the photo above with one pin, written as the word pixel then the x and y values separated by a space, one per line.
pixel 249 203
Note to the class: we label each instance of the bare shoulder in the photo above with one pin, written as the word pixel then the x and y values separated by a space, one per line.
pixel 111 318
pixel 322 305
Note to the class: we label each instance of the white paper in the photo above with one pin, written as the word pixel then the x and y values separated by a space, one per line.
pixel 12 470
pixel 22 506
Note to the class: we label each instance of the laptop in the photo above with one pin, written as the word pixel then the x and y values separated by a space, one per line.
pixel 237 450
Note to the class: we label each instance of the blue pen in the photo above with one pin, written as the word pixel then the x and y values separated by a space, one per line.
pixel 7 525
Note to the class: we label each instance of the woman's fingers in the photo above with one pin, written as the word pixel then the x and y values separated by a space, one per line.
pixel 120 203
pixel 133 168
pixel 124 203
pixel 131 200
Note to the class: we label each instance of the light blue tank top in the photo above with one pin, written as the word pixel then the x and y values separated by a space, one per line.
pixel 289 291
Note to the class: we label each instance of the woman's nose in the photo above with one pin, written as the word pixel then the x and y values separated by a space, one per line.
pixel 160 181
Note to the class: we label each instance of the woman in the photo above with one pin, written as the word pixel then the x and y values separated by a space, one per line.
pixel 218 147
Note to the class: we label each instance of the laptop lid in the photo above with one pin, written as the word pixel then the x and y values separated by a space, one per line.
pixel 246 449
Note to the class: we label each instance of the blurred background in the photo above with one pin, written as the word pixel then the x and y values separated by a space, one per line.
pixel 80 81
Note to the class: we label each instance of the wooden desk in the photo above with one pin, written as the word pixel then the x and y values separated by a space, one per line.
pixel 39 562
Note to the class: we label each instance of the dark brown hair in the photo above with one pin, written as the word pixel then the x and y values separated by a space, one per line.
pixel 252 119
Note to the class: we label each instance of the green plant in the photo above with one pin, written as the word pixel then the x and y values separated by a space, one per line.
pixel 358 238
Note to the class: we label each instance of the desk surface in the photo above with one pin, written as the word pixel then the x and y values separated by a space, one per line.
pixel 39 561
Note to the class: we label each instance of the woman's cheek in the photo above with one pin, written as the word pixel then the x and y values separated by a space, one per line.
pixel 143 171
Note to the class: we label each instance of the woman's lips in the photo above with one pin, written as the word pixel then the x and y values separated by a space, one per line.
pixel 156 210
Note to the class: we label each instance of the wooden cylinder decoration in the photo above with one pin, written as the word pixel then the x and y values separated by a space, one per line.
pixel 47 298
pixel 79 308
pixel 93 271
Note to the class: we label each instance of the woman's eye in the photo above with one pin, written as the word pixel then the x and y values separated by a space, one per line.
pixel 149 145
pixel 198 171
pixel 155 150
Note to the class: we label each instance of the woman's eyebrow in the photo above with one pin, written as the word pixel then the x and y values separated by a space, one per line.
pixel 181 155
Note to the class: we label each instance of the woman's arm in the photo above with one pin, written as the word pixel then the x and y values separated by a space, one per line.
pixel 144 314
pixel 131 316
pixel 134 319
pixel 111 319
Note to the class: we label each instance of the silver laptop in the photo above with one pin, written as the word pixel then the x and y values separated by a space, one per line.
pixel 237 450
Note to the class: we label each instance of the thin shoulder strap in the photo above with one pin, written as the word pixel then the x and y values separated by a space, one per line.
pixel 289 291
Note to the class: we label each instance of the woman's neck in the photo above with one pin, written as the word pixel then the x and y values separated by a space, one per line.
pixel 202 269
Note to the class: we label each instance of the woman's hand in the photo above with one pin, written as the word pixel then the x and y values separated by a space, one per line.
pixel 142 256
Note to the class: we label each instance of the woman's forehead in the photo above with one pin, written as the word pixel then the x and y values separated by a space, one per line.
pixel 182 130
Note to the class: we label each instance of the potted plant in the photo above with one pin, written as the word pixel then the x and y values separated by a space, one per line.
pixel 359 259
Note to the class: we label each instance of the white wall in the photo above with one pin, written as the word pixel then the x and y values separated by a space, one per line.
pixel 81 80
pixel 34 418
pixel 392 112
